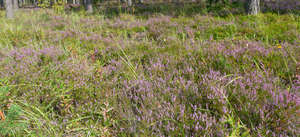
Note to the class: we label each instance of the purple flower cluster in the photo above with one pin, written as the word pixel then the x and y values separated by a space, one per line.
pixel 282 4
pixel 25 62
pixel 170 102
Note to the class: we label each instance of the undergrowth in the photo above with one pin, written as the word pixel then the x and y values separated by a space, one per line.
pixel 73 74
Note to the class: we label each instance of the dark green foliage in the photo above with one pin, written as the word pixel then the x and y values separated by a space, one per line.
pixel 11 125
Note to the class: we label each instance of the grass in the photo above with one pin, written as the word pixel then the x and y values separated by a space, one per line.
pixel 133 75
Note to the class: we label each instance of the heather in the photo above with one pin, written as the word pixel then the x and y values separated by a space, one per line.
pixel 77 74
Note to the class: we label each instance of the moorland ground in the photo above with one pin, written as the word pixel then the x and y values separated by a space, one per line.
pixel 74 74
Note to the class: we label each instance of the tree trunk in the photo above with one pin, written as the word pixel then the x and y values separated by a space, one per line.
pixel 254 7
pixel 35 3
pixel 16 4
pixel 129 3
pixel 89 6
pixel 9 9
pixel 20 3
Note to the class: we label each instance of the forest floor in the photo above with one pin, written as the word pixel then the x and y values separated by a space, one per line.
pixel 161 75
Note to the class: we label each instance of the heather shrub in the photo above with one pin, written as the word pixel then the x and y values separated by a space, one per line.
pixel 155 75
pixel 181 103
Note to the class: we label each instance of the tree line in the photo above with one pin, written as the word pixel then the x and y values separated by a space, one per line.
pixel 253 6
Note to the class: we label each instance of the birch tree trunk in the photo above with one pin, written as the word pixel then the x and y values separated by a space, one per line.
pixel 89 6
pixel 35 3
pixel 20 3
pixel 254 7
pixel 129 2
pixel 9 9
pixel 15 4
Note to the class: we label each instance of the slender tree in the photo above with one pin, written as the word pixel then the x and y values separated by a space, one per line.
pixel 20 2
pixel 254 7
pixel 129 2
pixel 9 9
pixel 15 4
pixel 89 6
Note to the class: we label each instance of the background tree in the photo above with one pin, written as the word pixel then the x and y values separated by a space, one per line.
pixel 129 2
pixel 15 4
pixel 20 2
pixel 9 9
pixel 89 6
pixel 254 7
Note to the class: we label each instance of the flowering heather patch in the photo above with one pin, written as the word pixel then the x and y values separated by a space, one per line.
pixel 179 103
pixel 160 75
pixel 282 5
pixel 26 61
